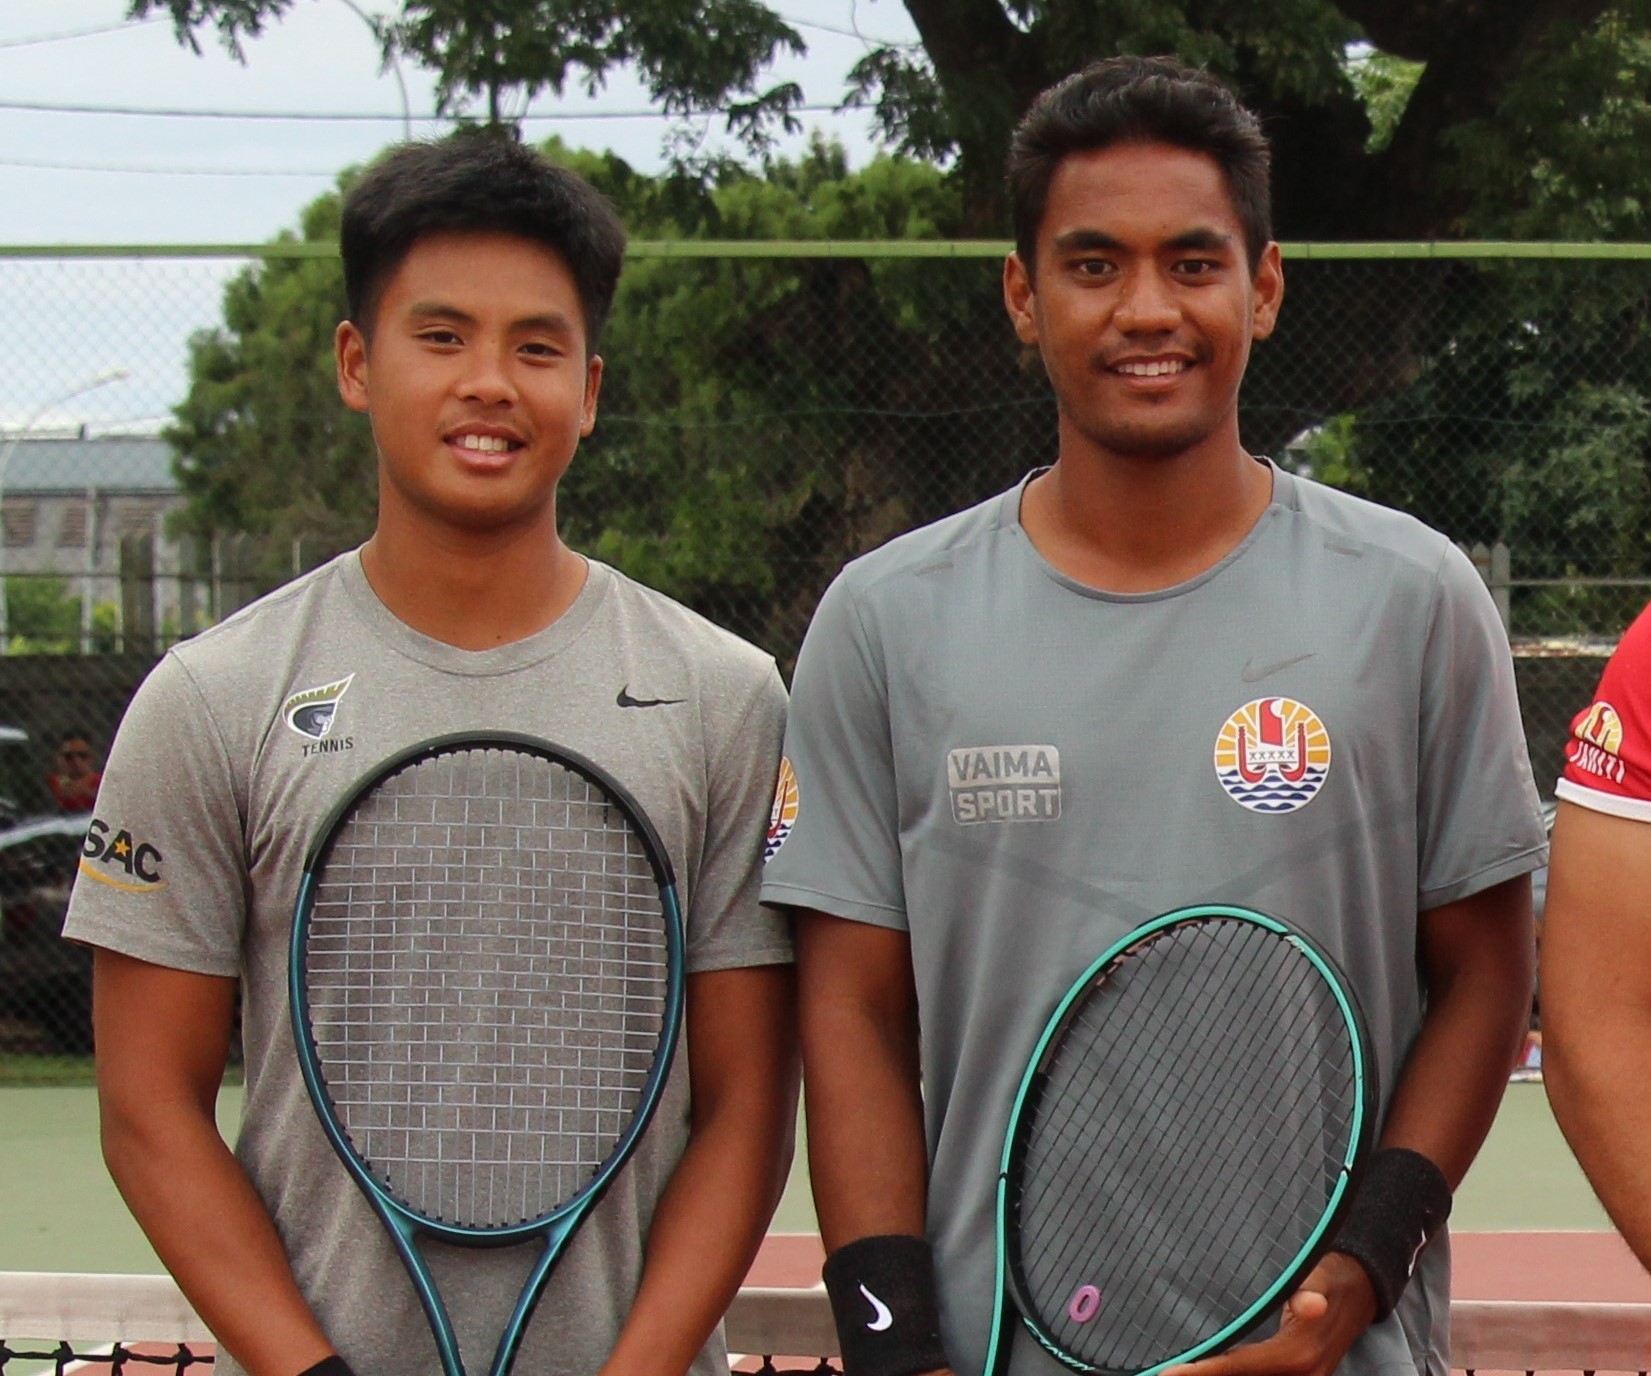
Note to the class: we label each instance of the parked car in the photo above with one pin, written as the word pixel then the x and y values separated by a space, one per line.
pixel 45 982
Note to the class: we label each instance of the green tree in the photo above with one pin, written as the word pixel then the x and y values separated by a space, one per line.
pixel 42 616
pixel 1439 151
pixel 264 445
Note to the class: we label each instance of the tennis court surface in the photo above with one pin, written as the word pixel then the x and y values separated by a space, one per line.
pixel 1541 1283
pixel 134 1324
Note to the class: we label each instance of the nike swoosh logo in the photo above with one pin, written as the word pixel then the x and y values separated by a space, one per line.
pixel 1254 673
pixel 626 700
pixel 883 1318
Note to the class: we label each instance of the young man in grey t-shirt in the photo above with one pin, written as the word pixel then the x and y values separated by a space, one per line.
pixel 1020 732
pixel 477 276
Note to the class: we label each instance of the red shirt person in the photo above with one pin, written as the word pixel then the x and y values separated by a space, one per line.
pixel 74 779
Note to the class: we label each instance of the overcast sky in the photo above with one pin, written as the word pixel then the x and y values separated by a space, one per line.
pixel 131 178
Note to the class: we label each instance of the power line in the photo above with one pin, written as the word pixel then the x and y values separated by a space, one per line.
pixel 81 33
pixel 342 117
pixel 164 171
pixel 867 38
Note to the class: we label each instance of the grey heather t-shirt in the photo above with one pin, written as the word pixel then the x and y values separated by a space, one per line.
pixel 1017 770
pixel 230 756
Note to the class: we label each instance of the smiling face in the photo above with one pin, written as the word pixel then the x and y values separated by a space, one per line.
pixel 476 380
pixel 1142 302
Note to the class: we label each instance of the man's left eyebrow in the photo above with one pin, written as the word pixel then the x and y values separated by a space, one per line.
pixel 549 322
pixel 1202 240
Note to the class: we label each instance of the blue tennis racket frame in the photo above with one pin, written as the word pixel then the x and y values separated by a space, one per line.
pixel 555 1228
pixel 1000 1344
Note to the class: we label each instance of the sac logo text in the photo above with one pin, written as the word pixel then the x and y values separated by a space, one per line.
pixel 116 858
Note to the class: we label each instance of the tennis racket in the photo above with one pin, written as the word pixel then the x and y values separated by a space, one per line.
pixel 487 986
pixel 1182 1145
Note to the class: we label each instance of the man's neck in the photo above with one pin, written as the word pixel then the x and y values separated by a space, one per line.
pixel 1134 524
pixel 471 589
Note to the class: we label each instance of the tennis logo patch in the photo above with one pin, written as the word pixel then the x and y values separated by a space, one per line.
pixel 1596 746
pixel 1272 755
pixel 783 815
pixel 311 711
pixel 1004 783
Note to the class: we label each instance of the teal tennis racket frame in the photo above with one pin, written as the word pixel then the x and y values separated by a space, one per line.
pixel 551 1230
pixel 1000 1344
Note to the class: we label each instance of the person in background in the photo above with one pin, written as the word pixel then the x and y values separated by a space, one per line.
pixel 74 777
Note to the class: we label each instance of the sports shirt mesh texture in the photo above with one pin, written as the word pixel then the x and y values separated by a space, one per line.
pixel 486 968
pixel 1183 1143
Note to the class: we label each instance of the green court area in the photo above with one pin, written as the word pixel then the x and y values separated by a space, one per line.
pixel 59 1211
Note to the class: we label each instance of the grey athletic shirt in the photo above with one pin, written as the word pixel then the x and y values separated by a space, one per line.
pixel 1017 770
pixel 229 758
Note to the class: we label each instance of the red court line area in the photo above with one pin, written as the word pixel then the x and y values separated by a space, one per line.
pixel 1590 1267
pixel 1574 1267
pixel 792 1260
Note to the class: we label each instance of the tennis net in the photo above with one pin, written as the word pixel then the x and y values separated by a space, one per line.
pixel 141 1326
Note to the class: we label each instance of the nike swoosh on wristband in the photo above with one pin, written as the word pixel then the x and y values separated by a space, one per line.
pixel 626 700
pixel 1252 673
pixel 883 1318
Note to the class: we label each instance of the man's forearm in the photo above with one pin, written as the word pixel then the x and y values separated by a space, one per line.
pixel 1606 1125
pixel 1454 1079
pixel 742 1057
pixel 1479 964
pixel 158 1081
pixel 705 1232
pixel 214 1235
pixel 867 1157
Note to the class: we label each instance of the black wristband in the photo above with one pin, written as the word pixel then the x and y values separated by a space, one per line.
pixel 883 1300
pixel 329 1366
pixel 1402 1202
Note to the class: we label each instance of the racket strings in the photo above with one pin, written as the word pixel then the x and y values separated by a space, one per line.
pixel 1135 1179
pixel 1154 1200
pixel 486 969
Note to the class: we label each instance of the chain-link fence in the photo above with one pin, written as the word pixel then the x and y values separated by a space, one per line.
pixel 171 444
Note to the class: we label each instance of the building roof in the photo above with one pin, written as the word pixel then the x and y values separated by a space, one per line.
pixel 114 463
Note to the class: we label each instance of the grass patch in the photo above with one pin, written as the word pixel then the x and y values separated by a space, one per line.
pixel 24 1070
pixel 20 1069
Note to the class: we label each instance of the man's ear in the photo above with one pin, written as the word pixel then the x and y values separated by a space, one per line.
pixel 1268 289
pixel 350 353
pixel 1018 297
pixel 593 386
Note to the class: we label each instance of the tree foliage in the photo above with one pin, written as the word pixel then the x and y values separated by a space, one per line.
pixel 762 420
pixel 264 445
pixel 1390 118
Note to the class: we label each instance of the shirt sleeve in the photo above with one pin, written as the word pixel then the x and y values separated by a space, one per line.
pixel 834 841
pixel 163 874
pixel 1608 755
pixel 728 928
pixel 1478 812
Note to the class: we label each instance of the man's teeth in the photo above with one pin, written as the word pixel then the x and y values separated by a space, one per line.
pixel 485 444
pixel 1157 368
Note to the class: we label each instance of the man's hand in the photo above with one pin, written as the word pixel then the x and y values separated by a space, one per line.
pixel 1320 1322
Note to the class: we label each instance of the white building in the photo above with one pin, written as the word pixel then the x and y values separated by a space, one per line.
pixel 66 503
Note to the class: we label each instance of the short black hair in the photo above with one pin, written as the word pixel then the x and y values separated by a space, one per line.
pixel 476 181
pixel 1140 100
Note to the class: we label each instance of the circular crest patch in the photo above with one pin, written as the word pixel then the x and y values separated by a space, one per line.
pixel 783 815
pixel 1272 755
